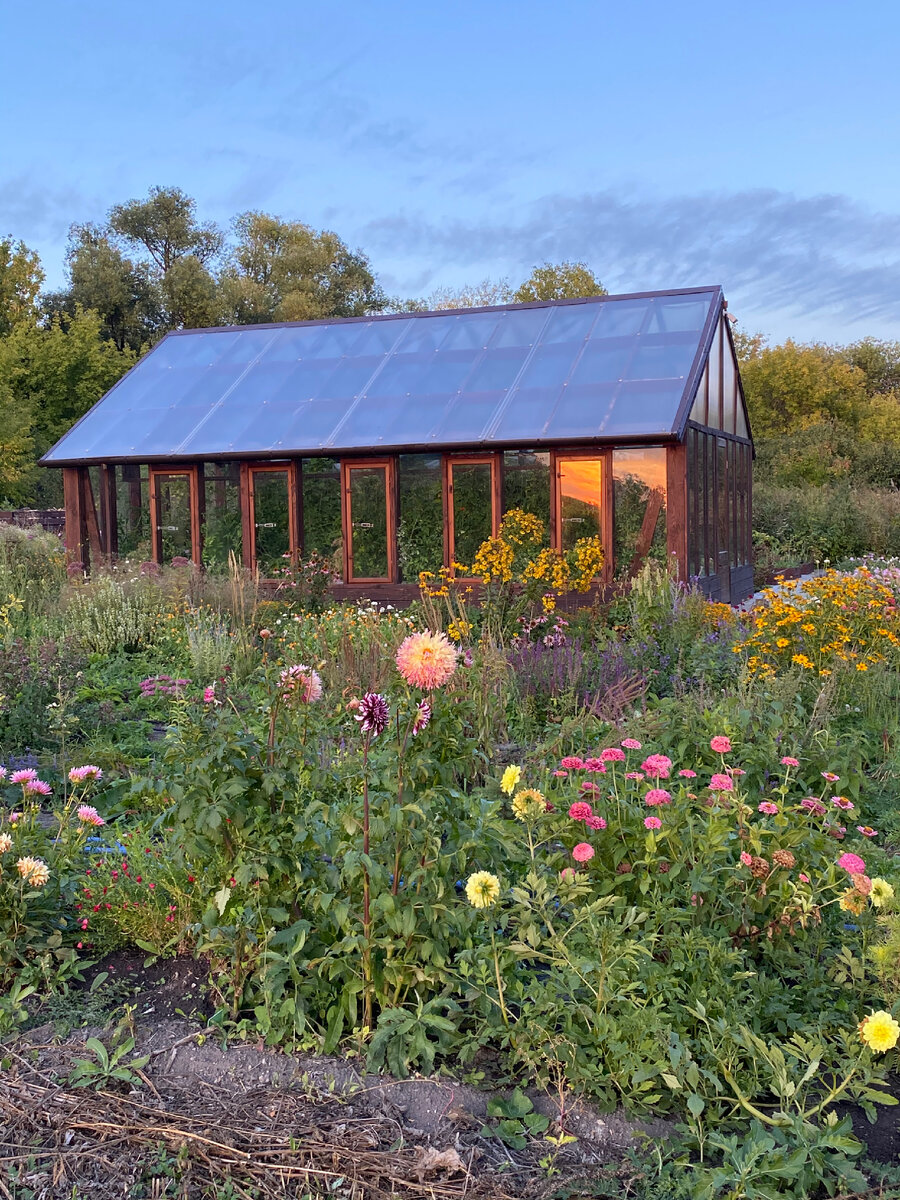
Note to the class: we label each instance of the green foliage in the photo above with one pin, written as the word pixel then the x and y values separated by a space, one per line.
pixel 103 615
pixel 559 281
pixel 516 1120
pixel 20 282
pixel 109 1067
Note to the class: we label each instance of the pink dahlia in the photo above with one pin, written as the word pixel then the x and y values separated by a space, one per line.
pixel 37 787
pixel 580 811
pixel 790 762
pixel 89 815
pixel 25 776
pixel 652 823
pixel 373 713
pixel 595 822
pixel 583 852
pixel 657 766
pixel 426 660
pixel 852 864
pixel 572 762
pixel 423 716
pixel 83 774
pixel 721 745
pixel 612 754
pixel 768 808
pixel 631 744
pixel 721 783
pixel 301 683
pixel 657 796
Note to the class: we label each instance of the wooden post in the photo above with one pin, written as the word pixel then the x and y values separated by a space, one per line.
pixel 198 513
pixel 90 513
pixel 676 507
pixel 76 534
pixel 109 517
pixel 248 541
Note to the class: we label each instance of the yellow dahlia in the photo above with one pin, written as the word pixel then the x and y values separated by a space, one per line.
pixel 528 804
pixel 510 780
pixel 882 893
pixel 426 660
pixel 879 1031
pixel 482 889
pixel 33 871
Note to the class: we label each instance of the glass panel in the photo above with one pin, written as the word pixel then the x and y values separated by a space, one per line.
pixel 471 500
pixel 420 537
pixel 580 499
pixel 639 507
pixel 621 318
pixel 674 314
pixel 525 414
pixel 729 386
pixel 603 362
pixel 723 542
pixel 222 527
pixel 671 360
pixel 368 522
pixel 470 332
pixel 708 481
pixel 470 417
pixel 496 370
pixel 698 412
pixel 570 323
pixel 322 533
pixel 378 337
pixel 133 512
pixel 740 425
pixel 526 484
pixel 173 509
pixel 550 366
pixel 271 519
pixel 522 328
pixel 693 499
pixel 715 388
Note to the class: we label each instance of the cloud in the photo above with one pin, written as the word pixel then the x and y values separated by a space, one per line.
pixel 773 251
pixel 33 212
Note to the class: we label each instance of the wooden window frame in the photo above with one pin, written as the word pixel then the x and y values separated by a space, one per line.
pixel 604 457
pixel 194 475
pixel 389 464
pixel 493 459
pixel 291 468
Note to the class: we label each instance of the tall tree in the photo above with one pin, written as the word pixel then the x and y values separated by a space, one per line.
pixel 559 281
pixel 287 271
pixel 791 387
pixel 166 225
pixel 478 295
pixel 20 282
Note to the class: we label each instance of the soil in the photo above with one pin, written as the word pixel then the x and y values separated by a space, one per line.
pixel 171 987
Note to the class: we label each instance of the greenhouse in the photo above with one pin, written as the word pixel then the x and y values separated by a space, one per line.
pixel 392 445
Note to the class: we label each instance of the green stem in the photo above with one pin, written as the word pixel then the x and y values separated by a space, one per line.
pixel 499 979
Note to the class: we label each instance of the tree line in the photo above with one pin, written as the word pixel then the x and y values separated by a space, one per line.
pixel 820 413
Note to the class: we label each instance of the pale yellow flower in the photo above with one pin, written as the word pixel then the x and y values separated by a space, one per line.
pixel 5 842
pixel 510 780
pixel 33 871
pixel 528 805
pixel 879 1031
pixel 882 893
pixel 482 889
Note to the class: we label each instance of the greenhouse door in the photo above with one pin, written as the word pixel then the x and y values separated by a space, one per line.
pixel 472 505
pixel 582 505
pixel 272 503
pixel 176 514
pixel 370 521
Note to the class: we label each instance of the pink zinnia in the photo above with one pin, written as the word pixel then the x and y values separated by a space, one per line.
pixel 838 832
pixel 590 789
pixel 572 762
pixel 657 796
pixel 612 754
pixel 721 745
pixel 735 772
pixel 561 774
pixel 811 804
pixel 867 831
pixel 746 858
pixel 842 802
pixel 631 744
pixel 790 762
pixel 25 776
pixel 768 808
pixel 804 878
pixel 595 765
pixel 567 874
pixel 89 815
pixel 852 864
pixel 657 766
pixel 830 776
pixel 209 694
pixel 687 774
pixel 634 774
pixel 721 783
pixel 652 823
pixel 37 787
pixel 426 660
pixel 583 852
pixel 580 811
pixel 595 822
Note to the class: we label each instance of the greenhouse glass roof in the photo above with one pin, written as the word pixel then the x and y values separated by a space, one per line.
pixel 607 367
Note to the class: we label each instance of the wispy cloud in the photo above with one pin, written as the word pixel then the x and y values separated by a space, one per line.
pixel 34 212
pixel 773 251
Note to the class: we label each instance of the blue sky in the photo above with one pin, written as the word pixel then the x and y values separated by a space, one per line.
pixel 665 144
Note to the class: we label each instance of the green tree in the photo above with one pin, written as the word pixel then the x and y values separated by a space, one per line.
pixel 103 278
pixel 166 225
pixel 20 282
pixel 478 295
pixel 16 445
pixel 286 271
pixel 880 363
pixel 791 387
pixel 559 281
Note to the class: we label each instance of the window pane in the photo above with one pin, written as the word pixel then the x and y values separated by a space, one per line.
pixel 222 528
pixel 639 513
pixel 420 538
pixel 580 499
pixel 368 522
pixel 698 412
pixel 470 497
pixel 322 532
pixel 724 539
pixel 173 507
pixel 729 388
pixel 715 387
pixel 133 511
pixel 526 484
pixel 693 498
pixel 271 516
